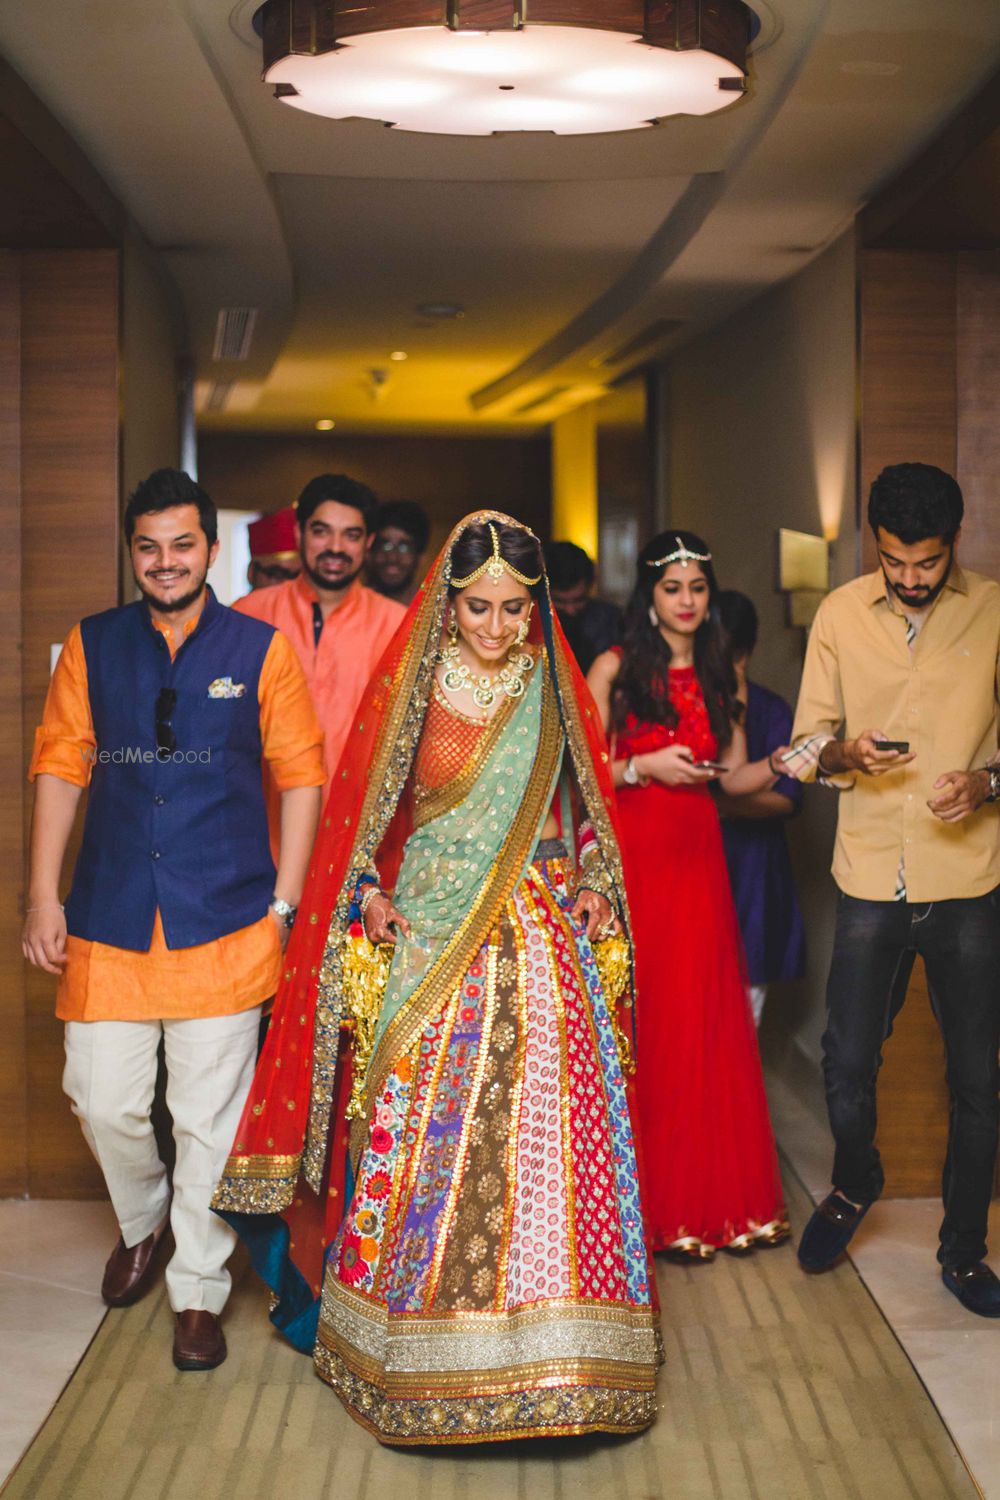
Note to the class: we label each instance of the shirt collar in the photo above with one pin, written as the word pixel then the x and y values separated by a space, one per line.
pixel 208 613
pixel 309 595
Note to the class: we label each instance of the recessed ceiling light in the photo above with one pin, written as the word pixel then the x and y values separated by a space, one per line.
pixel 440 310
pixel 399 355
pixel 325 424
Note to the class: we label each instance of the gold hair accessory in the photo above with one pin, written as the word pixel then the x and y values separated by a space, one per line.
pixel 680 554
pixel 496 566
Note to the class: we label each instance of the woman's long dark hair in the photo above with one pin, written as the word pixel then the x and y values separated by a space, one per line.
pixel 642 685
pixel 518 547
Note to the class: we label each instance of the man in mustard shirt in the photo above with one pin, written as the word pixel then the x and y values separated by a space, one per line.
pixel 912 648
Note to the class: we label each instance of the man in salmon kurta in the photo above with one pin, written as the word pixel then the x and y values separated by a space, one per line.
pixel 338 628
pixel 174 927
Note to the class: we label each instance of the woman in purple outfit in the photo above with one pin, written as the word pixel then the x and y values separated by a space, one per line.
pixel 753 828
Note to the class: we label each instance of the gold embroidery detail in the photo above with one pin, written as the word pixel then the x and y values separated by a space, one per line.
pixel 450 968
pixel 433 802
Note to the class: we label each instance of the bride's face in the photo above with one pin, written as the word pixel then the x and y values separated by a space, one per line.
pixel 488 615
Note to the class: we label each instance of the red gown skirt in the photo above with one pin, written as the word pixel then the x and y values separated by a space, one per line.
pixel 711 1165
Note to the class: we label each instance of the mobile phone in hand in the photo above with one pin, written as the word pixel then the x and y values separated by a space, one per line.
pixel 709 765
pixel 901 745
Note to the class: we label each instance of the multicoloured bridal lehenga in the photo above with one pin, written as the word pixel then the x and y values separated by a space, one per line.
pixel 490 1278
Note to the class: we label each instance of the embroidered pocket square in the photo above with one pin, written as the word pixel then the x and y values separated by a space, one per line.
pixel 225 687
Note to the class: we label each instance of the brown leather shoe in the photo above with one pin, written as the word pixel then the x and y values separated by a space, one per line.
pixel 199 1343
pixel 130 1273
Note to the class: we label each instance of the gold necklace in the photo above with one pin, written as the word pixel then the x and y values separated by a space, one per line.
pixel 458 678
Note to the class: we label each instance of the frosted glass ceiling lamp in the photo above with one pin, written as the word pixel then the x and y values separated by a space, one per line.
pixel 478 67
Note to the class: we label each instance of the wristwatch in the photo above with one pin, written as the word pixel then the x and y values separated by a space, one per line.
pixel 993 772
pixel 630 776
pixel 284 910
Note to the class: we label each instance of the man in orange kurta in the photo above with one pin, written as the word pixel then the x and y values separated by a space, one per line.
pixel 174 927
pixel 338 628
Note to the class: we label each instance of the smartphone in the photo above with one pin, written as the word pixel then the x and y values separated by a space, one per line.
pixel 901 745
pixel 709 765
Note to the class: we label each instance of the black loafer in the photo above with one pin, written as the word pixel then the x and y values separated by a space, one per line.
pixel 829 1231
pixel 976 1287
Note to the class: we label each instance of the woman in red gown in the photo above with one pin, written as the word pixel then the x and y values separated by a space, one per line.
pixel 669 703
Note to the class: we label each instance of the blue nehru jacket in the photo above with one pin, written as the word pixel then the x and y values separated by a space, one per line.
pixel 184 831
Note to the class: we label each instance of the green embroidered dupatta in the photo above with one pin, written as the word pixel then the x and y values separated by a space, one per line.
pixel 459 869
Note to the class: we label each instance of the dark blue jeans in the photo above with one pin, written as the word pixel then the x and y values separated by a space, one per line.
pixel 873 952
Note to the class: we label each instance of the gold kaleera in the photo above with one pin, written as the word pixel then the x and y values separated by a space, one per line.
pixel 612 955
pixel 366 974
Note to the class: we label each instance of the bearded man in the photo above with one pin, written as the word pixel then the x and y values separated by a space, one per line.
pixel 174 927
pixel 338 628
pixel 914 648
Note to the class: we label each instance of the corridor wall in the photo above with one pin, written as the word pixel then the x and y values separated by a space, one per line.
pixel 449 476
pixel 88 349
pixel 59 404
pixel 761 416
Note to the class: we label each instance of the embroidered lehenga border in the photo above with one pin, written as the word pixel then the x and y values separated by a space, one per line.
pixel 491 1277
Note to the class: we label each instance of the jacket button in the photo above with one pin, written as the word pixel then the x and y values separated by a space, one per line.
pixel 159 801
pixel 154 854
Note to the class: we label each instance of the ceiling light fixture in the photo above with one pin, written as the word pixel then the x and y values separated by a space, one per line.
pixel 325 424
pixel 489 66
pixel 399 355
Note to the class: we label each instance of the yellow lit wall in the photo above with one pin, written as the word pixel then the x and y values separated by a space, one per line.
pixel 574 478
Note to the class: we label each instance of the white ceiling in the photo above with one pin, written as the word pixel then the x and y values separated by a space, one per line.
pixel 561 249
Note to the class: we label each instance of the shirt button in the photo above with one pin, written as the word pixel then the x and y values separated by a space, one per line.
pixel 159 801
pixel 154 854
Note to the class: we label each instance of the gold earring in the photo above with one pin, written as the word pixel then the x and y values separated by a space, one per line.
pixel 654 618
pixel 449 653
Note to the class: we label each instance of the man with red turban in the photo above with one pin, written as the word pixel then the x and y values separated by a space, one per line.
pixel 274 551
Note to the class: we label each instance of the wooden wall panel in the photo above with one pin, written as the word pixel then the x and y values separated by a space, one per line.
pixel 908 413
pixel 908 366
pixel 930 349
pixel 978 360
pixel 449 476
pixel 13 1088
pixel 69 509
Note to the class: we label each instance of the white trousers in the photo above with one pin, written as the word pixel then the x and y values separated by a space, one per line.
pixel 110 1078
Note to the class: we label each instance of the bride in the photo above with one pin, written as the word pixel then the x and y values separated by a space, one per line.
pixel 464 916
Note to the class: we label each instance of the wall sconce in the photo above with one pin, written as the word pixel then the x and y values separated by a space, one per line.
pixel 803 574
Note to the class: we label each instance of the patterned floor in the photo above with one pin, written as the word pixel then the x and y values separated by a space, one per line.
pixel 777 1386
